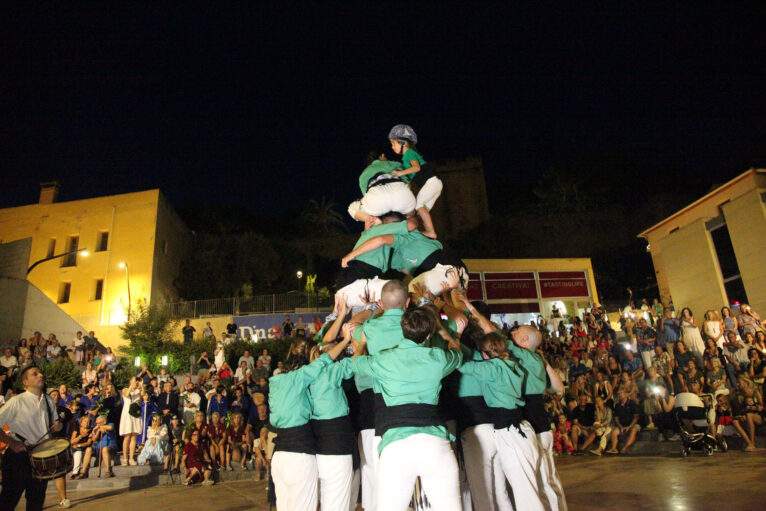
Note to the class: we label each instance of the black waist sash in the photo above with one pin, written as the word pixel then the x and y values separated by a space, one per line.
pixel 298 439
pixel 472 411
pixel 381 178
pixel 534 412
pixel 503 417
pixel 409 415
pixel 437 257
pixel 334 436
pixel 425 173
pixel 366 409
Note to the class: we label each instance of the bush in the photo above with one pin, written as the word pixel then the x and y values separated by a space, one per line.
pixel 149 328
pixel 60 372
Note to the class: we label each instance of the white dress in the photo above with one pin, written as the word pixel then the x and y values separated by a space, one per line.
pixel 713 329
pixel 693 339
pixel 128 423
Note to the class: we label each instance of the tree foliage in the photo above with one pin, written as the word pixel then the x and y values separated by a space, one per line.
pixel 149 326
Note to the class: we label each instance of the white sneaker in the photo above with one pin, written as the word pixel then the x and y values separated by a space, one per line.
pixel 64 503
pixel 208 482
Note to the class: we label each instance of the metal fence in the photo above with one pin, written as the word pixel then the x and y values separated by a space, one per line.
pixel 262 304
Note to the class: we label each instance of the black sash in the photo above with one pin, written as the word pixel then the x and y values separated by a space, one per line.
pixel 425 173
pixel 503 417
pixel 366 409
pixel 381 178
pixel 473 410
pixel 297 439
pixel 534 412
pixel 334 436
pixel 409 415
pixel 438 257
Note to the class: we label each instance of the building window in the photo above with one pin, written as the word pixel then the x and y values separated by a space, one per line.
pixel 102 242
pixel 51 247
pixel 165 247
pixel 71 259
pixel 64 290
pixel 727 261
pixel 99 289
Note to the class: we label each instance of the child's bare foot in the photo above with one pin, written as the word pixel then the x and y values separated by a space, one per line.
pixel 430 234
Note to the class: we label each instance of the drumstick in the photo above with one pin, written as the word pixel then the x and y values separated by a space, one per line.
pixel 33 445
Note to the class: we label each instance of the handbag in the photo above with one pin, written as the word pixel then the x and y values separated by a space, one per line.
pixel 134 410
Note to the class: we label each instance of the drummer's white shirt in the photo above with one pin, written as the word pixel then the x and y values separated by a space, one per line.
pixel 27 415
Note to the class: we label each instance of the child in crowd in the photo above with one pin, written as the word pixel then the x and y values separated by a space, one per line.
pixel 561 436
pixel 403 141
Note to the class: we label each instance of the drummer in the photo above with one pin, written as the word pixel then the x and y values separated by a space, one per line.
pixel 29 416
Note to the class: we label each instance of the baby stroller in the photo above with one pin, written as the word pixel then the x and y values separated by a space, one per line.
pixel 691 413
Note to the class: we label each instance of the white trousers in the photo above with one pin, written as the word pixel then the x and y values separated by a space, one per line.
pixel 368 453
pixel 646 358
pixel 362 288
pixel 427 456
pixel 520 459
pixel 295 481
pixel 430 191
pixel 433 278
pixel 355 481
pixel 335 475
pixel 77 459
pixel 551 490
pixel 379 200
pixel 482 466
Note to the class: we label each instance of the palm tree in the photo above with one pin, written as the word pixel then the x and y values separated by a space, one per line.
pixel 322 218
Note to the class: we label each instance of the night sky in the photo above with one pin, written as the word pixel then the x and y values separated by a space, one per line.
pixel 268 107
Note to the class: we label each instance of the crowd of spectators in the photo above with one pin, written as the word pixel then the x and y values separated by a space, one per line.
pixel 617 386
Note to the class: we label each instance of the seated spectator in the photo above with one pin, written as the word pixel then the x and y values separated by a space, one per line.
pixel 190 403
pixel 749 409
pixel 583 417
pixel 224 372
pixel 240 403
pixel 716 378
pixel 628 386
pixel 9 362
pixel 246 357
pixel 625 422
pixel 104 438
pixel 633 366
pixel 663 363
pixel 163 376
pixel 90 346
pixel 196 461
pixel 242 372
pixel 602 426
pixel 237 440
pixel 54 350
pixel 561 436
pixel 81 442
pixel 176 441
pixel 218 402
pixel 265 358
pixel 654 384
pixel 109 360
pixel 156 446
pixel 217 434
pixel 279 368
pixel 727 424
pixel 260 371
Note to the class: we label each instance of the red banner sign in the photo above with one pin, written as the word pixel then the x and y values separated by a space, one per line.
pixel 502 286
pixel 474 291
pixel 563 284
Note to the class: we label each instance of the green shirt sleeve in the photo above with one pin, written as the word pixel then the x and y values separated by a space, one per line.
pixel 453 359
pixel 309 373
pixel 362 365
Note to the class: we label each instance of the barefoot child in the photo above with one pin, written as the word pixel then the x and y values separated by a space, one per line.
pixel 415 170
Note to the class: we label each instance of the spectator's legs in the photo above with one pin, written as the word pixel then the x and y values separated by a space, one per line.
pixel 520 459
pixel 479 451
pixel 631 438
pixel 295 480
pixel 752 420
pixel 86 462
pixel 133 438
pixel 335 475
pixel 106 455
pixel 646 358
pixel 125 450
pixel 574 436
pixel 615 438
pixel 228 456
pixel 745 437
pixel 589 440
pixel 547 477
pixel 368 452
pixel 77 462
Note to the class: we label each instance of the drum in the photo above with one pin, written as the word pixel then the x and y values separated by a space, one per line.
pixel 51 459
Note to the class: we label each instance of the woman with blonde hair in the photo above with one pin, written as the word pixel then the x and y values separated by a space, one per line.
pixel 713 327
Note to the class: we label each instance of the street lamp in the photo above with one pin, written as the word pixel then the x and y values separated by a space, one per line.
pixel 127 279
pixel 81 251
pixel 299 274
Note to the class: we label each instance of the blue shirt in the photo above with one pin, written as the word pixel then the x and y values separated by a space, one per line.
pixel 672 329
pixel 632 367
pixel 215 405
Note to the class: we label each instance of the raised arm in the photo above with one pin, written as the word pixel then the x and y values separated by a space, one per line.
pixel 368 246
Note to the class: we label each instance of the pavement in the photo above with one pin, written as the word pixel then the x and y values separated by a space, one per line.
pixel 732 480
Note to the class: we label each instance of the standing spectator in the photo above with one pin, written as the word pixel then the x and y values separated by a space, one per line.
pixel 224 338
pixel 749 320
pixel 78 345
pixel 168 402
pixel 190 400
pixel 130 426
pixel 231 330
pixel 145 374
pixel 265 358
pixel 288 327
pixel 713 327
pixel 188 332
pixel 203 362
pixel 670 328
pixel 317 324
pixel 148 410
pixel 692 336
pixel 729 322
pixel 207 332
pixel 220 356
pixel 90 346
pixel 646 337
pixel 246 357
pixel 218 402
pixel 657 312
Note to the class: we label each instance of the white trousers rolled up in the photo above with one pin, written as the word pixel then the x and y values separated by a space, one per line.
pixel 548 481
pixel 295 481
pixel 482 466
pixel 433 278
pixel 368 453
pixel 429 192
pixel 427 456
pixel 520 460
pixel 362 288
pixel 335 475
pixel 379 200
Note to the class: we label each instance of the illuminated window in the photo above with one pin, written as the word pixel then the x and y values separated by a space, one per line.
pixel 64 289
pixel 102 241
pixel 99 289
pixel 51 247
pixel 71 259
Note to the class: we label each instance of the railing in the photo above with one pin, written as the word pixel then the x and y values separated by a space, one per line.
pixel 261 304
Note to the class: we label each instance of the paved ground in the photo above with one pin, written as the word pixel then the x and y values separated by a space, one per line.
pixel 724 481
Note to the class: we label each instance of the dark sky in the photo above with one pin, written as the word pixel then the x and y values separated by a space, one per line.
pixel 267 107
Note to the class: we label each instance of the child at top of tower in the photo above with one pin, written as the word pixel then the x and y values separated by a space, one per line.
pixel 416 170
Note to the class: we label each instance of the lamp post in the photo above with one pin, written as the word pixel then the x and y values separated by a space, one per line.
pixel 83 250
pixel 127 279
pixel 299 274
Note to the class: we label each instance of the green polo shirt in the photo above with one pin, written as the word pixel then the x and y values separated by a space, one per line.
pixel 289 399
pixel 409 373
pixel 377 167
pixel 409 155
pixel 536 377
pixel 469 386
pixel 382 332
pixel 411 249
pixel 380 256
pixel 328 400
pixel 502 381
